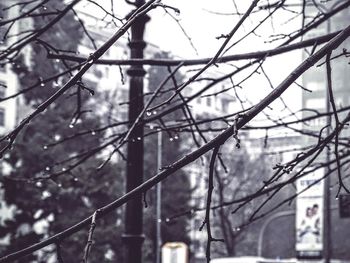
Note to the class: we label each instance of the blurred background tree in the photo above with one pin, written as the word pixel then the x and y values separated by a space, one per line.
pixel 176 191
pixel 45 207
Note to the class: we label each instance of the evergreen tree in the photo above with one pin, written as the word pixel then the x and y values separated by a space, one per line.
pixel 45 207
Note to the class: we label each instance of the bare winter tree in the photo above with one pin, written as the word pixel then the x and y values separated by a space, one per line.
pixel 60 92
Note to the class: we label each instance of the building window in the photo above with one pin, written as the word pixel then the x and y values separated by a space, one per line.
pixel 2 117
pixel 208 101
pixel 2 68
pixel 225 105
pixel 2 89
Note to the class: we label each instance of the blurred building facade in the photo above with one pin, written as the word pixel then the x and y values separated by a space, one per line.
pixel 315 79
pixel 8 79
pixel 315 101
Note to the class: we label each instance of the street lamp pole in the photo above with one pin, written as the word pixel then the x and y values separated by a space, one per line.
pixel 327 202
pixel 327 250
pixel 159 198
pixel 327 215
pixel 327 234
pixel 133 236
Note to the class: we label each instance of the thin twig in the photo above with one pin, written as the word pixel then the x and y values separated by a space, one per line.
pixel 90 237
pixel 206 221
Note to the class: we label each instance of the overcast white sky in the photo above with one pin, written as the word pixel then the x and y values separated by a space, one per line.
pixel 203 27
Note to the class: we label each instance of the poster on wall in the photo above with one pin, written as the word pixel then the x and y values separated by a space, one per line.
pixel 309 216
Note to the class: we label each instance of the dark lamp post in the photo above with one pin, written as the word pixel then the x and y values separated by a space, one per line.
pixel 133 236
